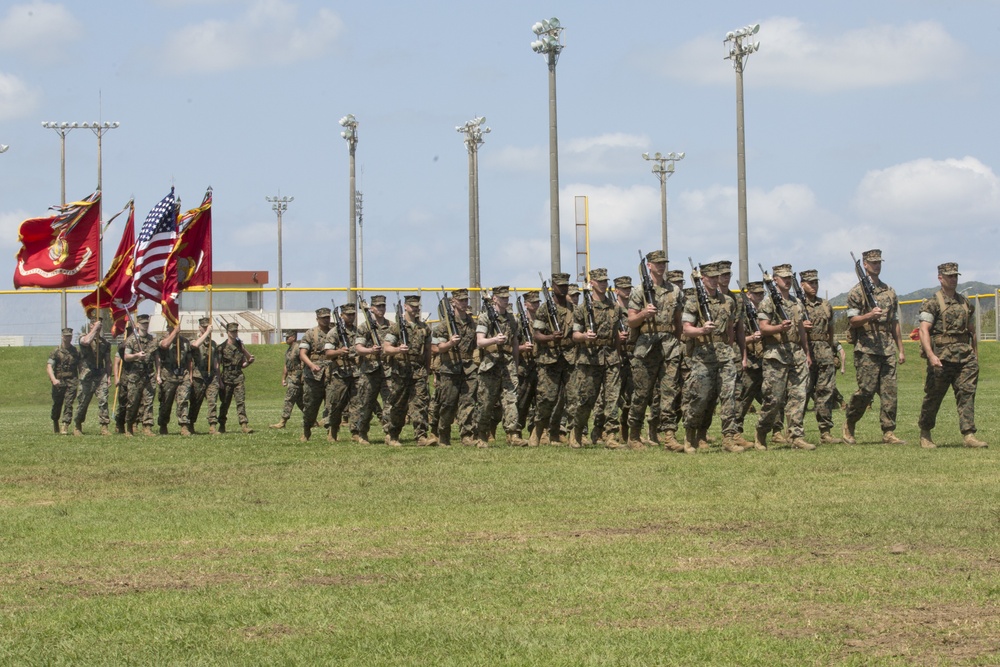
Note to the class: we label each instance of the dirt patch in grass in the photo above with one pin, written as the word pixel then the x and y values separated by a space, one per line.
pixel 345 580
pixel 268 632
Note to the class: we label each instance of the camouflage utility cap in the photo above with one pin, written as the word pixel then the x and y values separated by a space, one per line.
pixel 68 331
pixel 675 276
pixel 873 255
pixel 710 270
pixel 142 318
pixel 501 291
pixel 656 257
pixel 531 296
pixel 598 274
pixel 725 266
pixel 560 279
pixel 204 321
pixel 412 299
pixel 809 275
pixel 460 294
pixel 378 300
pixel 948 269
pixel 232 326
pixel 348 309
pixel 755 287
pixel 783 270
pixel 322 312
pixel 573 289
pixel 623 282
pixel 291 333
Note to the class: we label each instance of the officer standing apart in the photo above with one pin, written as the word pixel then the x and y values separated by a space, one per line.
pixel 233 358
pixel 948 340
pixel 877 346
pixel 63 369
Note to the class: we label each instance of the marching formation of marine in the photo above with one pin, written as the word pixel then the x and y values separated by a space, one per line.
pixel 611 364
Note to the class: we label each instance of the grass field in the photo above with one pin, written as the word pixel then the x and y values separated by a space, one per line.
pixel 263 550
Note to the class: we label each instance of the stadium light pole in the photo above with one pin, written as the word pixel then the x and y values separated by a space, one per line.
pixel 741 45
pixel 279 205
pixel 62 129
pixel 549 44
pixel 663 168
pixel 474 131
pixel 350 135
pixel 100 129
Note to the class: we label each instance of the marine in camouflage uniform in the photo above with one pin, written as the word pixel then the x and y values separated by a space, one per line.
pixel 728 394
pixel 372 381
pixel 709 330
pixel 878 345
pixel 499 349
pixel 656 362
pixel 204 368
pixel 63 368
pixel 785 362
pixel 619 297
pixel 291 378
pixel 598 363
pixel 457 375
pixel 948 341
pixel 233 358
pixel 408 366
pixel 173 376
pixel 342 385
pixel 823 372
pixel 554 354
pixel 95 377
pixel 751 377
pixel 527 367
pixel 140 374
pixel 315 370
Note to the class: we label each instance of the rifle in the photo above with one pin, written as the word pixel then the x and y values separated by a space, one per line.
pixel 371 324
pixel 404 335
pixel 703 306
pixel 622 324
pixel 772 290
pixel 341 329
pixel 522 318
pixel 751 310
pixel 448 314
pixel 588 305
pixel 867 286
pixel 550 307
pixel 491 315
pixel 800 296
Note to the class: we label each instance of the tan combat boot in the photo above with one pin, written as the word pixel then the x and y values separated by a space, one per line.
pixel 729 444
pixel 826 438
pixel 760 440
pixel 212 430
pixel 534 436
pixel 185 431
pixel 670 442
pixel 63 429
pixel 741 441
pixel 279 424
pixel 690 440
pixel 514 439
pixel 635 438
pixel 611 441
pixel 925 439
pixel 970 440
pixel 104 429
pixel 801 443
pixel 392 441
pixel 544 438
pixel 779 438
pixel 652 439
pixel 848 434
pixel 148 432
pixel 890 438
pixel 77 429
pixel 703 441
pixel 574 438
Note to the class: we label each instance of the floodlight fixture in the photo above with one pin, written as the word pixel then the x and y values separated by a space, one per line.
pixel 663 168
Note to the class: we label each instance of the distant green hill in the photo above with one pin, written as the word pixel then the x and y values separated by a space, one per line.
pixel 970 287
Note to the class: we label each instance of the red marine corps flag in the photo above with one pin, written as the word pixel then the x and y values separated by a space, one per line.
pixel 190 262
pixel 115 290
pixel 61 251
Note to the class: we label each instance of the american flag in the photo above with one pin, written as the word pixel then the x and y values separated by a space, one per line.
pixel 155 241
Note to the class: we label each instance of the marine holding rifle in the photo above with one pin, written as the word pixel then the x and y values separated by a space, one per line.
pixel 873 314
pixel 233 358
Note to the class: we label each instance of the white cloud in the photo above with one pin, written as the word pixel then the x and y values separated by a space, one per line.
pixel 599 154
pixel 10 222
pixel 924 193
pixel 794 55
pixel 16 98
pixel 38 29
pixel 267 33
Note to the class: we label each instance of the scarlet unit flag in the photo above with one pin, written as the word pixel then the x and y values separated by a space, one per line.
pixel 156 239
pixel 115 291
pixel 61 251
pixel 190 262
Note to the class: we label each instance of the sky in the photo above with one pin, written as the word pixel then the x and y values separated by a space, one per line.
pixel 868 125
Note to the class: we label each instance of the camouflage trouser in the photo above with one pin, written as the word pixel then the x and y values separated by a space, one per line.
pixel 339 392
pixel 701 391
pixel 624 394
pixel 199 389
pixel 498 385
pixel 174 387
pixel 876 375
pixel 313 395
pixel 552 381
pixel 527 391
pixel 963 378
pixel 823 384
pixel 408 396
pixel 140 397
pixel 293 397
pixel 596 385
pixel 235 389
pixel 212 392
pixel 653 374
pixel 784 388
pixel 94 383
pixel 728 407
pixel 456 399
pixel 564 414
pixel 370 385
pixel 63 395
pixel 750 389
